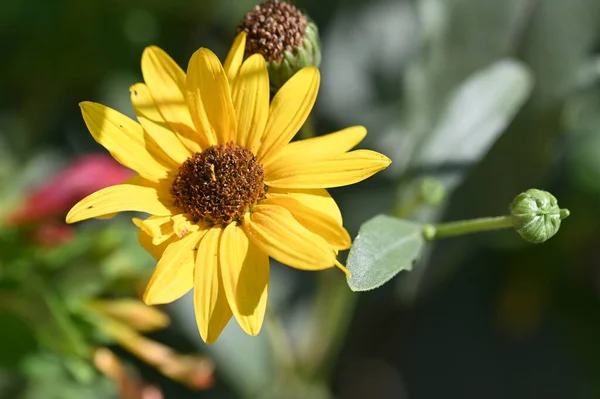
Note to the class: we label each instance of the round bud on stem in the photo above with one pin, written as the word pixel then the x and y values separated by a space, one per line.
pixel 536 215
pixel 285 36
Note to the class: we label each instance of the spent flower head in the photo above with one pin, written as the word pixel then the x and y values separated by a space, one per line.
pixel 284 35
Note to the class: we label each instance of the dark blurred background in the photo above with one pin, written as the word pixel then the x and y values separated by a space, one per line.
pixel 492 97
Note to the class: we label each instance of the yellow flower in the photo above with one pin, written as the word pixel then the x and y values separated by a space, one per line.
pixel 225 187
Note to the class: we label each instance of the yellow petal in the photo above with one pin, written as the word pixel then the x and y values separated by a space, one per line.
pixel 318 147
pixel 145 240
pixel 119 198
pixel 173 276
pixel 234 59
pixel 334 171
pixel 182 226
pixel 251 101
pixel 166 83
pixel 245 272
pixel 160 228
pixel 209 98
pixel 139 181
pixel 154 124
pixel 317 198
pixel 289 109
pixel 275 231
pixel 210 302
pixel 126 141
pixel 314 220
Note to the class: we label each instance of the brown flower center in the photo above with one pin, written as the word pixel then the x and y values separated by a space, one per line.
pixel 273 28
pixel 219 184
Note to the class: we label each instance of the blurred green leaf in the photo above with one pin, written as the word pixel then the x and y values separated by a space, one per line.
pixel 571 30
pixel 585 163
pixel 582 120
pixel 476 114
pixel 384 247
pixel 81 282
pixel 19 340
pixel 51 378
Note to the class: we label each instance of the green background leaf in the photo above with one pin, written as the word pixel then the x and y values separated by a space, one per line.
pixel 384 247
pixel 19 339
pixel 476 114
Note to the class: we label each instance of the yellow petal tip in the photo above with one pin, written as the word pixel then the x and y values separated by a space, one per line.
pixel 343 268
pixel 149 49
pixel 72 216
pixel 209 340
pixel 252 330
pixel 148 297
pixel 133 87
pixel 208 337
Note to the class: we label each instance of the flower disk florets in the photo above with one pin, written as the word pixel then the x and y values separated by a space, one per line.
pixel 219 184
pixel 273 28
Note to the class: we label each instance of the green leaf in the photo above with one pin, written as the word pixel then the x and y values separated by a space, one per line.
pixel 384 247
pixel 55 377
pixel 19 340
pixel 476 114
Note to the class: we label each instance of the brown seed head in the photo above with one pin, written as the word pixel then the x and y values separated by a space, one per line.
pixel 219 184
pixel 273 28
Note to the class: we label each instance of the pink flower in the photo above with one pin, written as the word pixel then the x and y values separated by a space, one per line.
pixel 56 196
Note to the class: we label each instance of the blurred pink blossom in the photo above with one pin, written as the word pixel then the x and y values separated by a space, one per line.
pixel 60 192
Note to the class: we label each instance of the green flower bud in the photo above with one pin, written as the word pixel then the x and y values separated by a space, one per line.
pixel 536 215
pixel 285 36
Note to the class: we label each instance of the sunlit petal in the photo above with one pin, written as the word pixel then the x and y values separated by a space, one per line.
pixel 173 275
pixel 288 112
pixel 154 124
pixel 318 147
pixel 314 220
pixel 166 82
pixel 160 228
pixel 275 231
pixel 209 98
pixel 316 198
pixel 182 225
pixel 251 101
pixel 245 272
pixel 210 302
pixel 234 59
pixel 119 198
pixel 126 141
pixel 145 240
pixel 333 171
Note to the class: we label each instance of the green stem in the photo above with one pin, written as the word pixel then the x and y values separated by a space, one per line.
pixel 431 232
